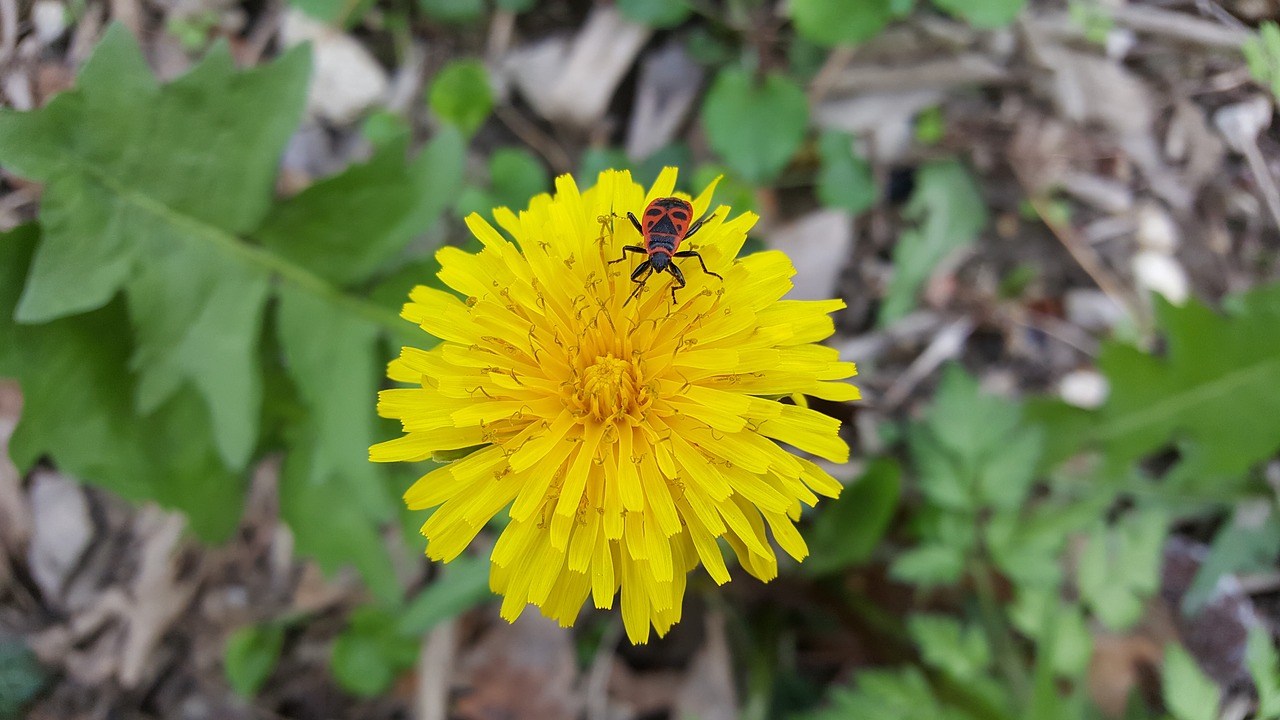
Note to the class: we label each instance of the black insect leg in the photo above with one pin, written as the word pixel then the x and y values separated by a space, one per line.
pixel 630 248
pixel 635 274
pixel 645 268
pixel 696 226
pixel 636 222
pixel 694 253
pixel 679 276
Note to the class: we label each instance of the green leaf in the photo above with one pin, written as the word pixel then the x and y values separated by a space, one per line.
pixel 1073 641
pixel 930 126
pixel 596 160
pixel 314 228
pixel 436 177
pixel 464 584
pixel 1064 428
pixel 657 13
pixel 1027 545
pixel 899 694
pixel 849 528
pixel 128 205
pixel 1249 543
pixel 1264 666
pixel 960 652
pixel 1262 54
pixel 840 22
pixel 755 128
pixel 1215 388
pixel 515 175
pixel 971 451
pixel 983 13
pixel 328 525
pixel 330 357
pixel 929 565
pixel 1188 692
pixel 1059 628
pixel 21 678
pixel 948 212
pixel 386 202
pixel 730 191
pixel 460 12
pixel 78 367
pixel 251 655
pixel 384 128
pixel 369 653
pixel 517 6
pixel 461 95
pixel 334 12
pixel 844 180
pixel 1120 566
pixel 1094 19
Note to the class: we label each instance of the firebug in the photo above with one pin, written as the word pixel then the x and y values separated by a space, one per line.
pixel 666 225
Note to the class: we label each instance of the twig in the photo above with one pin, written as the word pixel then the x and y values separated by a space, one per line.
pixel 1088 260
pixel 946 345
pixel 1057 329
pixel 1209 7
pixel 1262 174
pixel 534 137
pixel 501 30
pixel 435 666
pixel 9 35
pixel 263 33
pixel 597 691
pixel 1180 26
pixel 827 74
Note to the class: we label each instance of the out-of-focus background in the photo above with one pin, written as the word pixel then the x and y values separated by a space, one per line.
pixel 1054 225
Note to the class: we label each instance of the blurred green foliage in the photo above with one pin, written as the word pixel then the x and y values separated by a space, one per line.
pixel 948 212
pixel 658 13
pixel 844 181
pixel 1262 53
pixel 460 95
pixel 21 678
pixel 755 127
pixel 1189 694
pixel 250 656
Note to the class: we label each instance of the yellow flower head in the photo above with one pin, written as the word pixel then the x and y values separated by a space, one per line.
pixel 626 436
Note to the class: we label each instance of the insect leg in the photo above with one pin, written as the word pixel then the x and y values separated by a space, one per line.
pixel 639 281
pixel 630 248
pixel 694 227
pixel 635 222
pixel 679 276
pixel 694 253
pixel 635 275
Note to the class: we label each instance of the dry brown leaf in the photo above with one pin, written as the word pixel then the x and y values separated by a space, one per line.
pixel 670 82
pixel 522 671
pixel 15 518
pixel 63 529
pixel 573 81
pixel 820 244
pixel 708 692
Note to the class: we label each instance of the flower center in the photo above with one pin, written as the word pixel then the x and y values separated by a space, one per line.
pixel 610 387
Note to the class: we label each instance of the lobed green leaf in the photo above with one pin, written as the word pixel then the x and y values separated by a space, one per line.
pixel 755 127
pixel 251 655
pixel 948 212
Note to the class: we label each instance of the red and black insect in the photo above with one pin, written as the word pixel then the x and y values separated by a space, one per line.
pixel 666 225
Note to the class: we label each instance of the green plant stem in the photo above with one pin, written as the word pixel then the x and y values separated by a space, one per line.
pixel 998 633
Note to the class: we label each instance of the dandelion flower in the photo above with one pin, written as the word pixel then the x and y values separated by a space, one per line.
pixel 626 437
